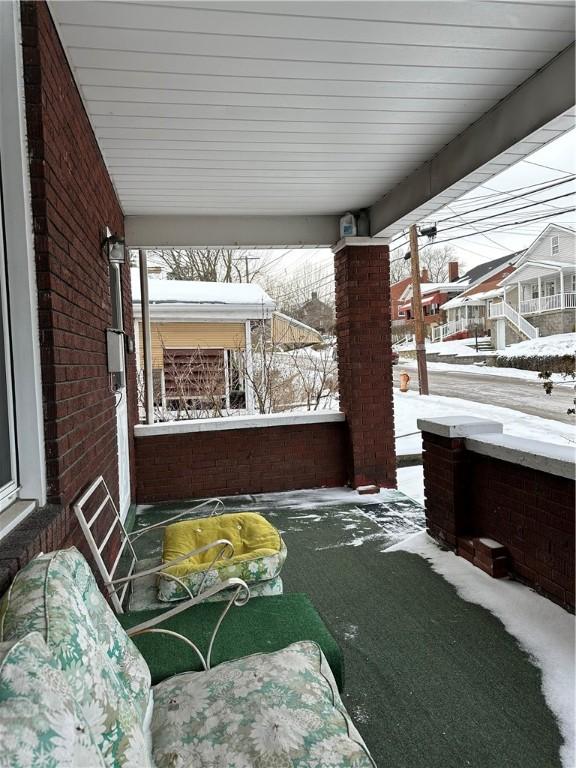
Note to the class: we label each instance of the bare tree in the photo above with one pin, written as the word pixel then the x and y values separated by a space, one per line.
pixel 213 265
pixel 433 258
pixel 290 290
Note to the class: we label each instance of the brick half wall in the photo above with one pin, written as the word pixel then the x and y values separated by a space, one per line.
pixel 482 484
pixel 226 462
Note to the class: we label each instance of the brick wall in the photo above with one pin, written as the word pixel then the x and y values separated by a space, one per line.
pixel 529 512
pixel 73 200
pixel 227 462
pixel 365 362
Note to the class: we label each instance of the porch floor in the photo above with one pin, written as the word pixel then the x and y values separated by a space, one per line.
pixel 432 681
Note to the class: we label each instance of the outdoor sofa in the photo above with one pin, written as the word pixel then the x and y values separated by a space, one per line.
pixel 75 691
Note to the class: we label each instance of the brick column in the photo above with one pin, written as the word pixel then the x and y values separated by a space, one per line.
pixel 446 474
pixel 365 361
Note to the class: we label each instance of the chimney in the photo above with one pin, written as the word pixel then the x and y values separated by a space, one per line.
pixel 453 271
pixel 425 276
pixel 314 294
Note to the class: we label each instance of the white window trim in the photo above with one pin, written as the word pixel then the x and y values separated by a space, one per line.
pixel 20 261
pixel 555 245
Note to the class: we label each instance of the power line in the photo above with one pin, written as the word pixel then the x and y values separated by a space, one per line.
pixel 509 199
pixel 504 213
pixel 499 226
pixel 548 167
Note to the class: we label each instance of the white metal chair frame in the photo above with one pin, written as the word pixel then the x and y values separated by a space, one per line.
pixel 117 588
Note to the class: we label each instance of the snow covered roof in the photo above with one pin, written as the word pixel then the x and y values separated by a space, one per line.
pixel 196 292
pixel 473 299
pixel 481 271
pixel 426 288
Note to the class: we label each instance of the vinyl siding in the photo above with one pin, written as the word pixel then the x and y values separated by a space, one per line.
pixel 192 336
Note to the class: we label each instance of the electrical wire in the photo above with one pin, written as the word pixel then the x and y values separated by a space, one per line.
pixel 509 199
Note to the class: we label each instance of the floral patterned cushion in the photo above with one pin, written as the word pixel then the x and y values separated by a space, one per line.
pixel 259 553
pixel 274 710
pixel 40 722
pixel 56 594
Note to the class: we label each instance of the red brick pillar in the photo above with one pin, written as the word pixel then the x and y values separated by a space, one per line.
pixel 365 361
pixel 447 476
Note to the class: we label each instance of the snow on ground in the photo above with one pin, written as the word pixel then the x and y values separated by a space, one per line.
pixel 543 629
pixel 411 482
pixel 462 347
pixel 489 370
pixel 410 406
pixel 558 345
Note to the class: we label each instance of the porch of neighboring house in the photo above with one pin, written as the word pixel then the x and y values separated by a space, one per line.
pixel 539 297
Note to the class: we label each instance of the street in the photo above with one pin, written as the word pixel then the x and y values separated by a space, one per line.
pixel 518 394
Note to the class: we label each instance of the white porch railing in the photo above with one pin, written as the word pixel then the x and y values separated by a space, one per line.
pixel 548 303
pixel 503 309
pixel 440 332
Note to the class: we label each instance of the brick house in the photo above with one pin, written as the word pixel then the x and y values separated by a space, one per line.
pixel 317 314
pixel 434 296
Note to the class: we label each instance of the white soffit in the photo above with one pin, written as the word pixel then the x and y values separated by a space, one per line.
pixel 300 108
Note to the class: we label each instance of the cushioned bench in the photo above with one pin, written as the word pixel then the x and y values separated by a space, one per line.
pixel 264 624
pixel 75 691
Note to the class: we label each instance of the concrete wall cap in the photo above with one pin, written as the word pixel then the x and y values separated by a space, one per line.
pixel 459 426
pixel 535 454
pixel 359 241
pixel 237 422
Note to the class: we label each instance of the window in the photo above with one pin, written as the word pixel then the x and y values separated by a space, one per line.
pixel 555 243
pixel 573 283
pixel 550 288
pixel 534 290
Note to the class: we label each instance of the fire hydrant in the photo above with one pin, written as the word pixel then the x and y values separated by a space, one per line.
pixel 404 381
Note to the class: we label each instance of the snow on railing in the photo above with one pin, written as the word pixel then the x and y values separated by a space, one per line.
pixel 503 309
pixel 440 332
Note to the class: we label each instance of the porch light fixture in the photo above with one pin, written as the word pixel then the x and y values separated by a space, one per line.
pixel 113 247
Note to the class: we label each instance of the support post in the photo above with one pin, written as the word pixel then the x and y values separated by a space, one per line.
pixel 146 338
pixel 562 299
pixel 249 373
pixel 226 380
pixel 417 312
pixel 363 331
pixel 539 294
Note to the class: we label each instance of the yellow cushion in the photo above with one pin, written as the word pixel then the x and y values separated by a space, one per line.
pixel 252 536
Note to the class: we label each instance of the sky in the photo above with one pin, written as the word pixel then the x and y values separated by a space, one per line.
pixel 556 159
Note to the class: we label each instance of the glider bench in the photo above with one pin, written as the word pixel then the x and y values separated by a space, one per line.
pixel 76 691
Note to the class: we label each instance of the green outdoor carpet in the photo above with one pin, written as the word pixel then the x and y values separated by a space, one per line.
pixel 264 624
pixel 432 681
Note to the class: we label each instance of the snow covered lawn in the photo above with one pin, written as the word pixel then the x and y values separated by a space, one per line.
pixel 462 347
pixel 544 630
pixel 560 345
pixel 489 370
pixel 410 406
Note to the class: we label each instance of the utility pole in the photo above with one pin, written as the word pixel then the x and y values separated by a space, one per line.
pixel 419 327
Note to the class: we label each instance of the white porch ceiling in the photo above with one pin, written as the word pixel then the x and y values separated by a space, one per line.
pixel 293 108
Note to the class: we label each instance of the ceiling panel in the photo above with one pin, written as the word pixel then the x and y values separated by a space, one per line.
pixel 292 107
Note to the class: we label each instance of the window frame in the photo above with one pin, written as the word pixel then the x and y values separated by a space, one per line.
pixel 555 245
pixel 20 276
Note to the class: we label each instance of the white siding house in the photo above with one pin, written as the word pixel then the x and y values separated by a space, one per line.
pixel 539 297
